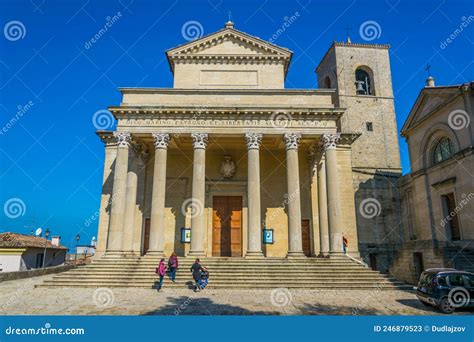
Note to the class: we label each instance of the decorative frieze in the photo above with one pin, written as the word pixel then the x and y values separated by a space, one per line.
pixel 253 140
pixel 161 140
pixel 199 140
pixel 292 140
pixel 124 139
pixel 225 122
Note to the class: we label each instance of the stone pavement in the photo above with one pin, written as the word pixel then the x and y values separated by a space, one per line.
pixel 20 297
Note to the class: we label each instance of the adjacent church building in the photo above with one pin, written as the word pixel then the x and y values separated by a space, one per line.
pixel 230 163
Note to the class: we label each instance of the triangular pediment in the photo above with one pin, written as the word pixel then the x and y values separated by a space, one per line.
pixel 428 101
pixel 229 43
pixel 233 40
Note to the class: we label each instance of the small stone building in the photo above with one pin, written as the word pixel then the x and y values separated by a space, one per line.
pixel 20 252
pixel 437 196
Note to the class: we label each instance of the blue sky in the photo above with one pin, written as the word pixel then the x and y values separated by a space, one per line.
pixel 51 159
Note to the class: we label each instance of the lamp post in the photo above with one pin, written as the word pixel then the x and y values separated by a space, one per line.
pixel 46 235
pixel 75 254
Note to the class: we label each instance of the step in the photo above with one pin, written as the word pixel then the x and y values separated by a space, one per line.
pixel 227 274
pixel 235 278
pixel 388 286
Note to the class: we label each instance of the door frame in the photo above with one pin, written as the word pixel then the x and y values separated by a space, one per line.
pixel 226 188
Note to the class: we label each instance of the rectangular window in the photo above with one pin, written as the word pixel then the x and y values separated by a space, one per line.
pixel 409 208
pixel 369 126
pixel 450 216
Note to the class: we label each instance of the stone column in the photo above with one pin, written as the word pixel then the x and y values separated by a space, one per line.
pixel 335 229
pixel 139 208
pixel 157 217
pixel 130 202
pixel 114 240
pixel 198 194
pixel 254 247
pixel 323 208
pixel 313 168
pixel 295 248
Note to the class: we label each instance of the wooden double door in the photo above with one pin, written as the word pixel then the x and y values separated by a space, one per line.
pixel 227 226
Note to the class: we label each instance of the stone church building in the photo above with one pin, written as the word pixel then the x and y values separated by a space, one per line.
pixel 229 162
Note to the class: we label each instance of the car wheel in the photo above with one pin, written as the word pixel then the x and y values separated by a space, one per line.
pixel 445 306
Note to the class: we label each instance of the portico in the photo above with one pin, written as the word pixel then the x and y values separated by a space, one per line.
pixel 227 155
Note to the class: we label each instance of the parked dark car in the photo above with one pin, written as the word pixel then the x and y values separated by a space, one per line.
pixel 446 289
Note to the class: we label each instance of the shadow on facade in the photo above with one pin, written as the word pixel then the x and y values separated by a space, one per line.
pixel 378 217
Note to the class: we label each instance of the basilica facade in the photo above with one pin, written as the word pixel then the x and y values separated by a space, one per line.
pixel 230 163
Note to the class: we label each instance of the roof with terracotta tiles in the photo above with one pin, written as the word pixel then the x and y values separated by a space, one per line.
pixel 15 240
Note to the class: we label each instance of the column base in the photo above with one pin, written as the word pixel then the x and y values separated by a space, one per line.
pixel 325 255
pixel 115 254
pixel 250 255
pixel 297 254
pixel 197 253
pixel 155 253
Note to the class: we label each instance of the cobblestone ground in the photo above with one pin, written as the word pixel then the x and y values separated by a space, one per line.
pixel 20 297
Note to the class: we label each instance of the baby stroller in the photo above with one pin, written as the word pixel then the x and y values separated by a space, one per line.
pixel 204 279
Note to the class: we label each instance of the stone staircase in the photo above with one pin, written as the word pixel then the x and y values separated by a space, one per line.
pixel 230 273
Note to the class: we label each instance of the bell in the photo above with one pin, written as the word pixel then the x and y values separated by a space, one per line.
pixel 360 88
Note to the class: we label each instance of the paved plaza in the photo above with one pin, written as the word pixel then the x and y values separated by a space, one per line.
pixel 20 297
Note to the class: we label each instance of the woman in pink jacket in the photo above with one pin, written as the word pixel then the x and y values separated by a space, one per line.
pixel 161 271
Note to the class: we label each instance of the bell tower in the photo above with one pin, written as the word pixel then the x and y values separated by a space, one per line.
pixel 361 75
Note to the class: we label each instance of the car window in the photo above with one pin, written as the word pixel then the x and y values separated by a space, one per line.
pixel 426 279
pixel 442 281
pixel 469 281
pixel 455 280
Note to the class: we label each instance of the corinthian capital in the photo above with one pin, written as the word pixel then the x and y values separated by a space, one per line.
pixel 292 140
pixel 161 140
pixel 199 140
pixel 253 140
pixel 124 139
pixel 330 140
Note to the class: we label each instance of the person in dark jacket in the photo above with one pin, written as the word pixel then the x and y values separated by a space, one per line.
pixel 197 269
pixel 173 266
